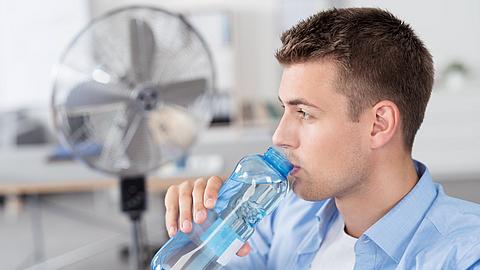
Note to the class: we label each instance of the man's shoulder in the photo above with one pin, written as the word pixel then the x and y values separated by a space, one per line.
pixel 449 234
pixel 453 217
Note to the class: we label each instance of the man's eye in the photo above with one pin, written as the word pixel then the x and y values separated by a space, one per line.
pixel 303 114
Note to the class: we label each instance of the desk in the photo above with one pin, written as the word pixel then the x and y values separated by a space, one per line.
pixel 27 171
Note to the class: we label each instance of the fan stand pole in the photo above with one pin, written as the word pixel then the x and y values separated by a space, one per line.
pixel 133 203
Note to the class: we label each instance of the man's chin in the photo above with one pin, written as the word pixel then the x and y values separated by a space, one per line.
pixel 306 193
pixel 310 198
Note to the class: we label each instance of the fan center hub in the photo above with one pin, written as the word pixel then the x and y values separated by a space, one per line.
pixel 147 97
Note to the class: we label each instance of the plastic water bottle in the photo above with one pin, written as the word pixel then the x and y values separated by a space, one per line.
pixel 252 191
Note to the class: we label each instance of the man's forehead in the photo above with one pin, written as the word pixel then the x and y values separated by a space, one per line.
pixel 317 73
pixel 309 83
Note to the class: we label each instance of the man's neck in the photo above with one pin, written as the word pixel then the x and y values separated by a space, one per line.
pixel 383 189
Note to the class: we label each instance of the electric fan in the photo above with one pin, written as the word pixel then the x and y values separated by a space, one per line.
pixel 131 93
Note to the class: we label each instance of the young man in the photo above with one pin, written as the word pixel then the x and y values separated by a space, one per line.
pixel 355 86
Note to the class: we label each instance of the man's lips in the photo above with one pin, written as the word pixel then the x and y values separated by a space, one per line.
pixel 294 161
pixel 295 170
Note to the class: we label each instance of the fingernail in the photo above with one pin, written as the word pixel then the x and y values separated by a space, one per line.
pixel 209 203
pixel 200 215
pixel 186 225
pixel 172 231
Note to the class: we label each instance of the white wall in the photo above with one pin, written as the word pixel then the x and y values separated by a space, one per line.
pixel 33 33
pixel 32 36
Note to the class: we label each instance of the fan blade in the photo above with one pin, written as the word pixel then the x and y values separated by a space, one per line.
pixel 138 143
pixel 112 155
pixel 92 94
pixel 182 93
pixel 142 50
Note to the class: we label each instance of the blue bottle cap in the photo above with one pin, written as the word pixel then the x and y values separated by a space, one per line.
pixel 278 160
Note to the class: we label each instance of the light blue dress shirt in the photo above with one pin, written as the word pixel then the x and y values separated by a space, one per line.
pixel 425 230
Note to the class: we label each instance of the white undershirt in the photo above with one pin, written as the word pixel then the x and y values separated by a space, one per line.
pixel 337 249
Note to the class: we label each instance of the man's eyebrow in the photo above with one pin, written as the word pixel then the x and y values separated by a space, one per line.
pixel 299 101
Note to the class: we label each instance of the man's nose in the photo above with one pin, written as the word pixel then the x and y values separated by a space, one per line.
pixel 285 135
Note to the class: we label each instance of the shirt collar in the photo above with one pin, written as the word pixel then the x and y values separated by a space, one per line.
pixel 393 232
pixel 325 215
pixel 327 211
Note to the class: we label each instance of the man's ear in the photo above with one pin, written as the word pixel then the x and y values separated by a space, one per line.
pixel 385 123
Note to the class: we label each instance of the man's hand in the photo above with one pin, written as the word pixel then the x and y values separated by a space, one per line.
pixel 199 195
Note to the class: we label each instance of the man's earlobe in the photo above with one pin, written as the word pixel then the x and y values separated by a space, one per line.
pixel 385 123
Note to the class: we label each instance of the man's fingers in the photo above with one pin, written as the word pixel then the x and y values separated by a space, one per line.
pixel 185 206
pixel 244 250
pixel 199 211
pixel 188 197
pixel 211 191
pixel 171 206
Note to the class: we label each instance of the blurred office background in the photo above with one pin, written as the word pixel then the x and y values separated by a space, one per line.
pixel 62 215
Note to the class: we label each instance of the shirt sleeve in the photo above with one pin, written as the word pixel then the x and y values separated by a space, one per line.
pixel 260 246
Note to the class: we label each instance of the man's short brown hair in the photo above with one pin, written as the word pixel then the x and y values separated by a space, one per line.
pixel 379 58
